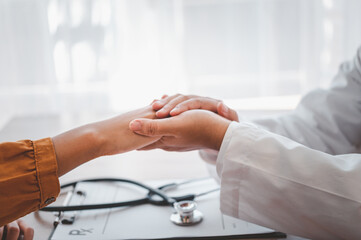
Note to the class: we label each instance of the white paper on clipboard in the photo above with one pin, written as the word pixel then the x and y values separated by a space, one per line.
pixel 152 222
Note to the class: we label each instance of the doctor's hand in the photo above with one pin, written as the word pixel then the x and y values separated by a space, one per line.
pixel 176 104
pixel 191 130
pixel 16 230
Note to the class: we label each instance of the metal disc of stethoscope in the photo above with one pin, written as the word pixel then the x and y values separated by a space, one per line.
pixel 186 213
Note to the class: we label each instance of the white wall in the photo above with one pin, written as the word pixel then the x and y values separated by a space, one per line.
pixel 114 55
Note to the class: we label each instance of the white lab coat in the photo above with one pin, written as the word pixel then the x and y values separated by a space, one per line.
pixel 299 173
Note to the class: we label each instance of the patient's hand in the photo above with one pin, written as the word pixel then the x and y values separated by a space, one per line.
pixel 176 104
pixel 117 136
pixel 191 130
pixel 16 230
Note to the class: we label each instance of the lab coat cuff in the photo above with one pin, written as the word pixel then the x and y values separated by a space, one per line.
pixel 226 140
pixel 248 136
pixel 46 171
pixel 209 156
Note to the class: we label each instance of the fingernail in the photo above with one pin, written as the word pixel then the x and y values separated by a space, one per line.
pixel 136 125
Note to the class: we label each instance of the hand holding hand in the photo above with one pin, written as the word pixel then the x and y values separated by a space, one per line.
pixel 15 230
pixel 191 130
pixel 176 104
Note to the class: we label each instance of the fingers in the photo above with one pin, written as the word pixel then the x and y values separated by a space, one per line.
pixel 165 99
pixel 156 100
pixel 195 103
pixel 167 104
pixel 148 127
pixel 13 231
pixel 177 104
pixel 25 230
pixel 226 112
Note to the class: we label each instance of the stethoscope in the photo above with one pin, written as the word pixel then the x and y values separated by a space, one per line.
pixel 185 207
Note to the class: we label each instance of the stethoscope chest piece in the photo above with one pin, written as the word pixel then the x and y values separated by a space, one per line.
pixel 186 213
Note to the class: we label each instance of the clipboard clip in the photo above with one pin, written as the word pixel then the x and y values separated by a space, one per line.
pixel 68 217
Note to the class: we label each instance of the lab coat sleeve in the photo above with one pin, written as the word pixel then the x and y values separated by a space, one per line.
pixel 210 158
pixel 276 182
pixel 300 173
pixel 328 120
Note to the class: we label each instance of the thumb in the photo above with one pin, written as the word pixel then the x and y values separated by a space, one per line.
pixel 148 127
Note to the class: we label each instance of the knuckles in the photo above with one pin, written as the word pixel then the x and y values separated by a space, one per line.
pixel 151 128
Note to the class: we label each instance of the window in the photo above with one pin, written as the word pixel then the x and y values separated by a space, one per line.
pixel 115 55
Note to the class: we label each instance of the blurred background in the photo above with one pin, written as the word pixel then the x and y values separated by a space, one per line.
pixel 71 56
pixel 64 63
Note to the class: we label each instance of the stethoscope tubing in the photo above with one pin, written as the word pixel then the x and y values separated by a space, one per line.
pixel 165 200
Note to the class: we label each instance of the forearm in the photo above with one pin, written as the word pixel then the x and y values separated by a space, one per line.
pixel 108 137
pixel 76 147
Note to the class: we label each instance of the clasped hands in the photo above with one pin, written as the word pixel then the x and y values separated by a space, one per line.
pixel 173 123
pixel 185 123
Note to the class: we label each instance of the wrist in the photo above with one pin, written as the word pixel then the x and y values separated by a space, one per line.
pixel 217 134
pixel 76 147
pixel 96 140
pixel 99 138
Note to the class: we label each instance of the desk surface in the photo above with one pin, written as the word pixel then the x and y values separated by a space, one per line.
pixel 139 165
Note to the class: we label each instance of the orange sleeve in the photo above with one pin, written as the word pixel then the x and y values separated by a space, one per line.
pixel 28 177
